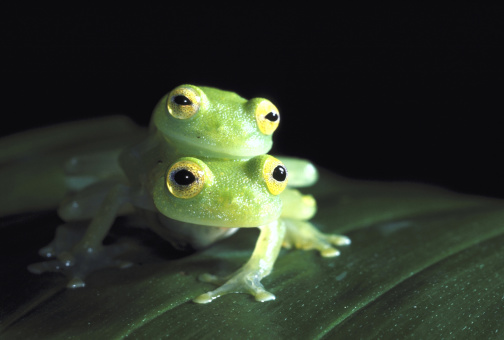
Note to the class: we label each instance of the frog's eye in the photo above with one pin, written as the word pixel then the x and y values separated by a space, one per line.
pixel 275 175
pixel 267 117
pixel 183 102
pixel 185 179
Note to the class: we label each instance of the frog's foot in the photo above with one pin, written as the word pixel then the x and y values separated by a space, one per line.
pixel 248 278
pixel 67 235
pixel 243 281
pixel 303 235
pixel 77 264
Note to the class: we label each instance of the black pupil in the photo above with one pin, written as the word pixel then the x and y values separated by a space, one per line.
pixel 272 116
pixel 184 177
pixel 182 100
pixel 280 174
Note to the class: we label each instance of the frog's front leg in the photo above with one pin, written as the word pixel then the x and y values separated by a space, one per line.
pixel 79 259
pixel 248 278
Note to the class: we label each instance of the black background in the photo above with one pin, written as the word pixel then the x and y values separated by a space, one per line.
pixel 399 93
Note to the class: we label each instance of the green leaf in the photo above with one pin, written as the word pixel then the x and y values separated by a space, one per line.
pixel 424 262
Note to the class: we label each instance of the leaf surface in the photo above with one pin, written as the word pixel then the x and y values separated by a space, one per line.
pixel 423 262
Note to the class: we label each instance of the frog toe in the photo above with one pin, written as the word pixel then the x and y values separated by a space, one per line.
pixel 329 252
pixel 260 295
pixel 48 251
pixel 264 296
pixel 324 242
pixel 242 282
pixel 205 298
pixel 76 282
pixel 339 240
pixel 46 266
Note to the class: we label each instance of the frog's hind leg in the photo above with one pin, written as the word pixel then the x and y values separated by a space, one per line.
pixel 248 278
pixel 297 205
pixel 86 203
pixel 303 235
pixel 87 169
pixel 62 260
pixel 78 253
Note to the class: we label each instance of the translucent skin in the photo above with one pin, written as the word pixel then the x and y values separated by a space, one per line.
pixel 235 196
pixel 225 138
pixel 232 194
pixel 225 125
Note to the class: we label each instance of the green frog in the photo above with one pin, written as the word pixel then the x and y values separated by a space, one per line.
pixel 198 175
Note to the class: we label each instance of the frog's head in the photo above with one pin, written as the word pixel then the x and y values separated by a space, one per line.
pixel 222 193
pixel 216 123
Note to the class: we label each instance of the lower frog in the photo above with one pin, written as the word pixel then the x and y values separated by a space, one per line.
pixel 199 201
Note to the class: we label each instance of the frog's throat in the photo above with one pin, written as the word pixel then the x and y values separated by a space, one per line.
pixel 188 148
pixel 188 235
